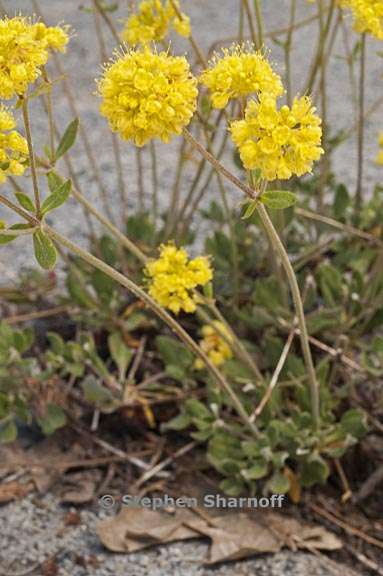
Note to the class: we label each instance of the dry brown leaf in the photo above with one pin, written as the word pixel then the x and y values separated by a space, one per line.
pixel 136 528
pixel 44 463
pixel 237 536
pixel 233 536
pixel 80 491
pixel 14 491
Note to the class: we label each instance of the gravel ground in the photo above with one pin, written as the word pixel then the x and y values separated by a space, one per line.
pixel 34 530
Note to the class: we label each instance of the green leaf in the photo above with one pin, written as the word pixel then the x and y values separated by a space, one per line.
pixel 180 422
pixel 77 289
pixel 173 352
pixel 249 210
pixel 57 198
pixel 195 409
pixel 54 180
pixel 53 419
pixel 8 431
pixel 121 354
pixel 214 213
pixel 140 228
pixel 258 470
pixel 25 201
pixel 232 486
pixel 278 199
pixel 354 422
pixel 57 343
pixel 68 138
pixel 45 251
pixel 314 470
pixel 175 372
pixel 109 250
pixel 96 393
pixel 5 239
pixel 341 201
pixel 278 483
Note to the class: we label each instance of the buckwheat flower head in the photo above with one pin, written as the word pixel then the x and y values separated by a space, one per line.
pixel 239 72
pixel 214 345
pixel 145 95
pixel 379 158
pixel 153 21
pixel 367 16
pixel 24 49
pixel 279 143
pixel 13 147
pixel 173 278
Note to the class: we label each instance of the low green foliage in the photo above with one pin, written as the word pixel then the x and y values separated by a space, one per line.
pixel 343 295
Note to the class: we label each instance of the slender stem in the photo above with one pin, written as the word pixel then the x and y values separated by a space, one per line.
pixel 114 137
pixel 346 228
pixel 94 165
pixel 233 240
pixel 108 21
pixel 160 312
pixel 220 168
pixel 15 233
pixel 70 168
pixel 32 161
pixel 172 218
pixel 200 55
pixel 245 4
pixel 287 51
pixel 323 165
pixel 362 78
pixel 274 379
pixel 241 22
pixel 259 18
pixel 187 203
pixel 153 157
pixel 140 179
pixel 20 211
pixel 49 111
pixel 236 342
pixel 295 292
pixel 128 244
pixel 321 46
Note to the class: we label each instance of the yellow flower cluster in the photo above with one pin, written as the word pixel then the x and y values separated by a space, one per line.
pixel 173 278
pixel 147 95
pixel 153 21
pixel 13 147
pixel 214 345
pixel 367 15
pixel 239 73
pixel 24 49
pixel 379 158
pixel 279 143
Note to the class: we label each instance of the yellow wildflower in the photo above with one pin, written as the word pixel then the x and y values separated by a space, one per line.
pixel 13 147
pixel 153 22
pixel 51 37
pixel 24 49
pixel 279 143
pixel 147 95
pixel 367 16
pixel 173 278
pixel 214 344
pixel 379 158
pixel 238 73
